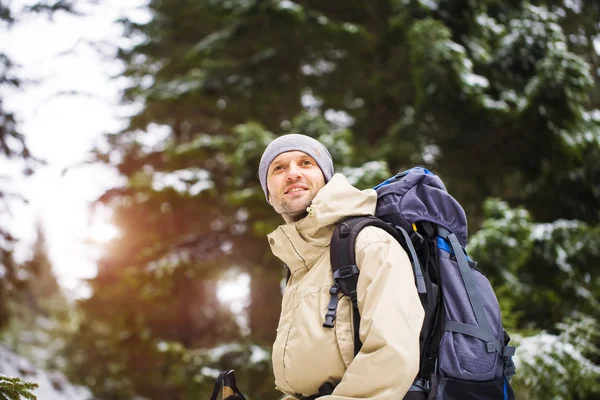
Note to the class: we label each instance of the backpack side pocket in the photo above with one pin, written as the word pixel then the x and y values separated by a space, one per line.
pixel 464 355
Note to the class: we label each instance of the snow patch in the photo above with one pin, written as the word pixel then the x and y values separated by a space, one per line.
pixel 318 68
pixel 52 385
pixel 475 80
pixel 259 355
pixel 340 119
pixel 289 5
pixel 191 181
pixel 543 232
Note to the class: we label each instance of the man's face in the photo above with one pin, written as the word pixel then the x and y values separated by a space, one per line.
pixel 293 180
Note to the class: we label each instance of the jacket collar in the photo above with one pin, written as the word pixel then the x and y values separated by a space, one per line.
pixel 300 244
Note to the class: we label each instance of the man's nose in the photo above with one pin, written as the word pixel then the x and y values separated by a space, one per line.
pixel 293 171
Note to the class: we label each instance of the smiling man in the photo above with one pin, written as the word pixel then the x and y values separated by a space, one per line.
pixel 311 360
pixel 294 180
pixel 292 170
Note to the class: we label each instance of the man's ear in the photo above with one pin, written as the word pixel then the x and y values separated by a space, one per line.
pixel 269 199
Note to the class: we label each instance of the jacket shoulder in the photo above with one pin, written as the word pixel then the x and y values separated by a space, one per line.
pixel 375 248
pixel 373 235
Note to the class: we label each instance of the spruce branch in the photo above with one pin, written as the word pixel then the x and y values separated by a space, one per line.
pixel 16 388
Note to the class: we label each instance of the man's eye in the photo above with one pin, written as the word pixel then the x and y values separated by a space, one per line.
pixel 278 168
pixel 307 162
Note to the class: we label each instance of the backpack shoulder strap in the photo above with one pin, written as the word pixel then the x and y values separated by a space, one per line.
pixel 345 271
pixel 343 241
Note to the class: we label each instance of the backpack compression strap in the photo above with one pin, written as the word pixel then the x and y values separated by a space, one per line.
pixel 345 271
pixel 484 331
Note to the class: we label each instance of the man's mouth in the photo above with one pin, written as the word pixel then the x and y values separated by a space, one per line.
pixel 297 189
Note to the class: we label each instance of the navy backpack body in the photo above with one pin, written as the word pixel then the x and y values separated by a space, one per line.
pixel 464 348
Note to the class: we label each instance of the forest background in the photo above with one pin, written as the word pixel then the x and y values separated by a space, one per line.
pixel 498 98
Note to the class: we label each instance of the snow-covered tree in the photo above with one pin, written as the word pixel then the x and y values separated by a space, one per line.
pixel 16 388
pixel 498 98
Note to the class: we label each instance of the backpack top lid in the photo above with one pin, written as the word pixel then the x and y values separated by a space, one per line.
pixel 419 195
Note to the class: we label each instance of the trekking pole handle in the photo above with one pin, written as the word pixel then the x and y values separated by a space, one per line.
pixel 230 389
pixel 227 391
pixel 226 382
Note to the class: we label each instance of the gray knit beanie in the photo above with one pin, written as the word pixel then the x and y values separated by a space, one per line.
pixel 295 142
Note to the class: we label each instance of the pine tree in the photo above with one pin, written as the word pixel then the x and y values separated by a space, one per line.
pixel 13 147
pixel 553 321
pixel 16 389
pixel 44 287
pixel 499 98
pixel 42 315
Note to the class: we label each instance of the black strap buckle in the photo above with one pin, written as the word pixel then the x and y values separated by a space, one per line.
pixel 329 318
pixel 347 271
pixel 416 239
pixel 331 307
pixel 421 385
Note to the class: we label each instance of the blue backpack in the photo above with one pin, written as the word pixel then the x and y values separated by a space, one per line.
pixel 464 348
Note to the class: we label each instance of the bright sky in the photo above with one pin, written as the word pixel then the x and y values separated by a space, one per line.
pixel 61 128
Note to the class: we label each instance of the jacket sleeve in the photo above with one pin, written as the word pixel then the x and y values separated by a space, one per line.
pixel 391 320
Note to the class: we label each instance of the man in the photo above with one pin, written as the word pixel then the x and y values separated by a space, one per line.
pixel 296 174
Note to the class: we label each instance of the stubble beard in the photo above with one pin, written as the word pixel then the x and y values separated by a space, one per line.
pixel 293 212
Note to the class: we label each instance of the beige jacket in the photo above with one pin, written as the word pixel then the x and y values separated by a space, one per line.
pixel 305 354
